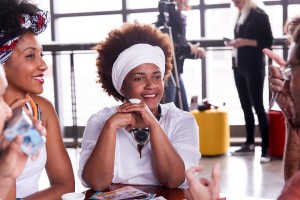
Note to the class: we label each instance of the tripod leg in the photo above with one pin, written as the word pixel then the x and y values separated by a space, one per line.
pixel 175 78
pixel 169 90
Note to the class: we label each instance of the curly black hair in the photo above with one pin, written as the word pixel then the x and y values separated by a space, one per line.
pixel 10 12
pixel 122 38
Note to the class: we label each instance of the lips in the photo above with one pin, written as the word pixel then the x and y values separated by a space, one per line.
pixel 39 78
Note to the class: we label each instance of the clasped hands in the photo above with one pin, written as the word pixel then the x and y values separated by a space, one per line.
pixel 134 115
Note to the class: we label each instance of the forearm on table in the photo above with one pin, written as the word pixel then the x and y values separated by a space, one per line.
pixel 168 164
pixel 98 170
pixel 291 159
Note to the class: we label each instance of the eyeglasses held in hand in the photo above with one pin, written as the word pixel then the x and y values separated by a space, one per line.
pixel 286 75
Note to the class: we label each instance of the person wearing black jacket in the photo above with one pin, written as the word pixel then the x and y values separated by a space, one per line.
pixel 252 33
pixel 183 50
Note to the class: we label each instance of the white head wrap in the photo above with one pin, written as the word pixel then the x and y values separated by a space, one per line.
pixel 134 56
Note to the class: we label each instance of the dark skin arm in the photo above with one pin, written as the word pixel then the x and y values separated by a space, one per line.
pixel 168 165
pixel 100 164
pixel 58 166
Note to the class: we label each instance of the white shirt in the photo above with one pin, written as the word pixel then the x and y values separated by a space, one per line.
pixel 27 182
pixel 180 127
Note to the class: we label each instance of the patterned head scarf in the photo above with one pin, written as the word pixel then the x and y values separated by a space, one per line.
pixel 36 22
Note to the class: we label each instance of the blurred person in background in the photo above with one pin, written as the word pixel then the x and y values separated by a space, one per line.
pixel 183 49
pixel 252 33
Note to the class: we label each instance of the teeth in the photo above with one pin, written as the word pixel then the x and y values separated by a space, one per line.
pixel 149 95
pixel 38 77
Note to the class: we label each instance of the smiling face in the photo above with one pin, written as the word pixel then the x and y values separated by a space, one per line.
pixel 25 67
pixel 5 111
pixel 239 3
pixel 144 82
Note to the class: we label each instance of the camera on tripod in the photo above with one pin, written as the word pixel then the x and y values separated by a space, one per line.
pixel 165 9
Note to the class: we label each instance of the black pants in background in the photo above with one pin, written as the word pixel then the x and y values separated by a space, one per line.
pixel 250 84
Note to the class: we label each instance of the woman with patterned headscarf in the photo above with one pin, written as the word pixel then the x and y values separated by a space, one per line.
pixel 21 56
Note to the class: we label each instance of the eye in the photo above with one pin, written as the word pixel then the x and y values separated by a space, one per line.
pixel 157 77
pixel 30 55
pixel 138 78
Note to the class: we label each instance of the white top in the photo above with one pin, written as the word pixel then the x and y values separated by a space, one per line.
pixel 180 127
pixel 27 182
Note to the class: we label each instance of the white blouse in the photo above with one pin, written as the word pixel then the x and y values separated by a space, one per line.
pixel 180 127
pixel 28 181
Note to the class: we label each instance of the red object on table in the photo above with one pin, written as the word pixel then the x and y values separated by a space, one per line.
pixel 277 133
pixel 170 194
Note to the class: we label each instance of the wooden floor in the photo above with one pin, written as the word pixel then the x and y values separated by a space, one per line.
pixel 241 176
pixel 246 176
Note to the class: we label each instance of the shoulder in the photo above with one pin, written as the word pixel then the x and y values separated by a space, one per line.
pixel 102 115
pixel 260 13
pixel 46 107
pixel 41 101
pixel 96 122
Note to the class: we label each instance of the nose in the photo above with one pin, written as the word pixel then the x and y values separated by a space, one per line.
pixel 42 66
pixel 150 85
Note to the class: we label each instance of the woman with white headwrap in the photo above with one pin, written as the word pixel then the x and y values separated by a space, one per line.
pixel 141 141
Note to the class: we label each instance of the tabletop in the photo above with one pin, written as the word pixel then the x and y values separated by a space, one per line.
pixel 170 194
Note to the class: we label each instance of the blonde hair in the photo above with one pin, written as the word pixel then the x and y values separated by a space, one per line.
pixel 249 4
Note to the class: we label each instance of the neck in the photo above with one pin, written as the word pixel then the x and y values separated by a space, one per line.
pixel 157 112
pixel 10 95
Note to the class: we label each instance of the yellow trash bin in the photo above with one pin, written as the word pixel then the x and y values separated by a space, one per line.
pixel 213 131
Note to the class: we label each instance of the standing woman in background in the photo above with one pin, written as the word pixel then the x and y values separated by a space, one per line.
pixel 252 33
pixel 21 55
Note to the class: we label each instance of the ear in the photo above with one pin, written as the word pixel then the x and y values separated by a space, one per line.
pixel 4 67
pixel 123 89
